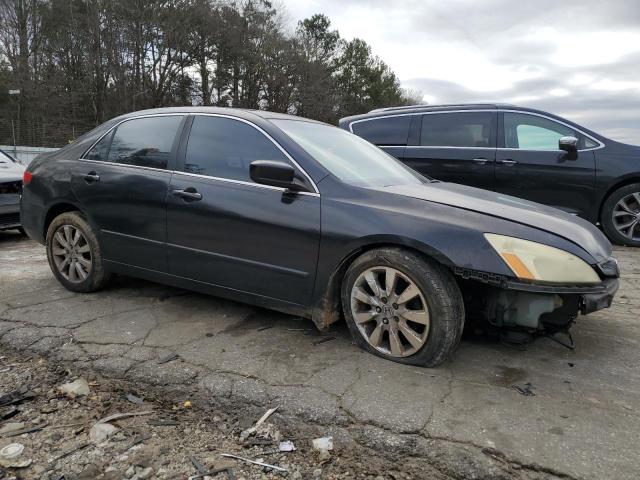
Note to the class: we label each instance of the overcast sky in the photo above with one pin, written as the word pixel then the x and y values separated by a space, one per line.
pixel 576 58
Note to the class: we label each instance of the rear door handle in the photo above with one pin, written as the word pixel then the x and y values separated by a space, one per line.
pixel 91 177
pixel 188 194
pixel 508 162
pixel 480 161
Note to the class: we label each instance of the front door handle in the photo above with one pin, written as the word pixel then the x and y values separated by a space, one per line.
pixel 508 162
pixel 91 177
pixel 189 194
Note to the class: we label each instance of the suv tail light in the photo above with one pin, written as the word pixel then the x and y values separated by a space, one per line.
pixel 26 177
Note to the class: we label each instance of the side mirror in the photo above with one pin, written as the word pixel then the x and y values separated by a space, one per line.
pixel 276 174
pixel 569 145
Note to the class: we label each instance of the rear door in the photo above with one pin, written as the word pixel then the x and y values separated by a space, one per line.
pixel 455 147
pixel 530 165
pixel 226 230
pixel 390 133
pixel 122 184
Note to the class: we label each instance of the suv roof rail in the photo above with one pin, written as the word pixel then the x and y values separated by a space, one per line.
pixel 404 107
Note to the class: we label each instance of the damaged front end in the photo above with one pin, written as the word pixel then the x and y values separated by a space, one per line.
pixel 522 311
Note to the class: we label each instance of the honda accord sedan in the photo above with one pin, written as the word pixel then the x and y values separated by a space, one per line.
pixel 306 218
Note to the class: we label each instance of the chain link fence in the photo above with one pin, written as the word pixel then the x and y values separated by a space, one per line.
pixel 40 134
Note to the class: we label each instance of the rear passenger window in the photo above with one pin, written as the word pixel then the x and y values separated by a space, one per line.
pixel 145 142
pixel 384 131
pixel 100 150
pixel 223 147
pixel 473 129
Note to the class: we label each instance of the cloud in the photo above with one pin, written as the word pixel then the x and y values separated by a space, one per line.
pixel 576 58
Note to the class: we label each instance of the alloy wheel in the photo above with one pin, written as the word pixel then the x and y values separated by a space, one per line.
pixel 71 253
pixel 390 311
pixel 626 216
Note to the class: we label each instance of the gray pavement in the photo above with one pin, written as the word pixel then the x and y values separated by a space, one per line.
pixel 583 422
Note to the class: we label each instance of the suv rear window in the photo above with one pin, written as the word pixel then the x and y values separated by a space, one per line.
pixel 384 131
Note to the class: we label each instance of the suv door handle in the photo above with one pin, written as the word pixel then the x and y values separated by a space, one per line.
pixel 91 177
pixel 480 161
pixel 188 194
pixel 508 162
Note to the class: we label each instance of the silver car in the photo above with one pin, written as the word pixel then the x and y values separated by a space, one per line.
pixel 10 190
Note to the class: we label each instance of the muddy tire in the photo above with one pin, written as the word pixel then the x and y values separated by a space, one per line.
pixel 74 254
pixel 403 306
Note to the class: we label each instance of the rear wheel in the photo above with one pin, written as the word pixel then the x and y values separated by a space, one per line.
pixel 621 216
pixel 403 307
pixel 74 253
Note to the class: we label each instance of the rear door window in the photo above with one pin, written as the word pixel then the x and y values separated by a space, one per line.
pixel 388 131
pixel 464 129
pixel 145 142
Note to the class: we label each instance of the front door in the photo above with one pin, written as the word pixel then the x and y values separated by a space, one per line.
pixel 456 147
pixel 223 229
pixel 122 185
pixel 530 164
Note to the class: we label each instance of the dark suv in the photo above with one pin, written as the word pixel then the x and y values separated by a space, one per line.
pixel 518 151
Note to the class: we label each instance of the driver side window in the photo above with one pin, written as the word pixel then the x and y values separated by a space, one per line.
pixel 530 132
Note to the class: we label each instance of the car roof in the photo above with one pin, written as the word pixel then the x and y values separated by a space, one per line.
pixel 413 109
pixel 236 112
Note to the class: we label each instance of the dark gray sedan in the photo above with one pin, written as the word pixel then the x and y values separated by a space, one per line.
pixel 309 219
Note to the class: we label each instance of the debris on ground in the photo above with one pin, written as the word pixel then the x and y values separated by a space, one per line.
pixel 324 340
pixel 324 443
pixel 77 388
pixel 525 390
pixel 286 446
pixel 134 399
pixel 255 462
pixel 98 436
pixel 266 431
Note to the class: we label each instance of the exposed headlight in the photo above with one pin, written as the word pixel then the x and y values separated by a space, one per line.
pixel 535 261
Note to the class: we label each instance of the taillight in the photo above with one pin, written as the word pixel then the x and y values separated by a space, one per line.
pixel 27 177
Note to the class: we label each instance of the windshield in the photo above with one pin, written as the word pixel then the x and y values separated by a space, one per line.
pixel 350 158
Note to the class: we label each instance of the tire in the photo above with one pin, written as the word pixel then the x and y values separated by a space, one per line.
pixel 86 249
pixel 435 315
pixel 619 208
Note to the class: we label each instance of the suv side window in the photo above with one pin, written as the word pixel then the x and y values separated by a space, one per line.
pixel 145 142
pixel 530 132
pixel 384 131
pixel 223 147
pixel 459 129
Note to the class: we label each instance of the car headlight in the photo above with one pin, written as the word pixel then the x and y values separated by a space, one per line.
pixel 535 261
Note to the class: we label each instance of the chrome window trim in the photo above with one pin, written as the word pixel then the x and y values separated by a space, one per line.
pixel 241 182
pixel 523 112
pixel 184 114
pixel 278 146
pixel 126 165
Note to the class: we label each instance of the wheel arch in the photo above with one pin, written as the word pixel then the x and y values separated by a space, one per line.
pixel 55 209
pixel 328 307
pixel 623 182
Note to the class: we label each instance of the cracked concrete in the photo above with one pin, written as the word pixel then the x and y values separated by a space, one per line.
pixel 464 417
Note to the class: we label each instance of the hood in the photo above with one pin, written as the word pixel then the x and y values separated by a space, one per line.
pixel 10 171
pixel 552 220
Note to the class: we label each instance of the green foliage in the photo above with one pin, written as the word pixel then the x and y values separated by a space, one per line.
pixel 80 62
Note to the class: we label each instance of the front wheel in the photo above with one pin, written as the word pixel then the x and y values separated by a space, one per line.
pixel 74 254
pixel 403 307
pixel 621 216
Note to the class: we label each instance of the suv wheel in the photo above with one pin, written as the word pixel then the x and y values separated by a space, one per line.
pixel 74 253
pixel 403 307
pixel 621 216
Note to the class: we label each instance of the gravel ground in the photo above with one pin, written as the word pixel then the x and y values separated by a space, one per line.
pixel 60 447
